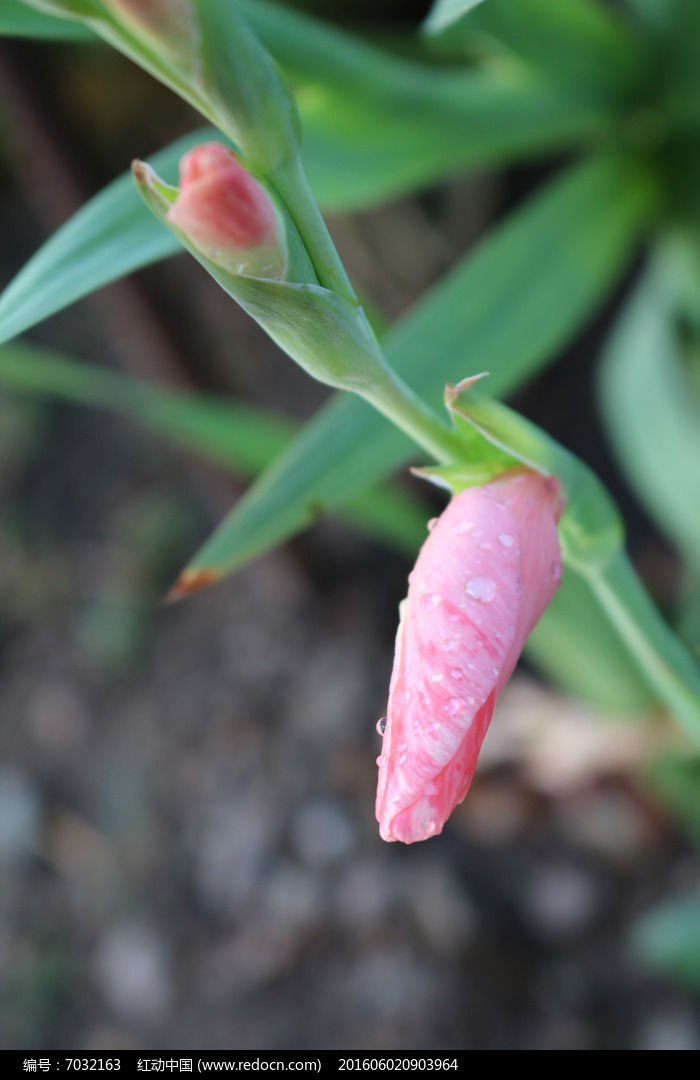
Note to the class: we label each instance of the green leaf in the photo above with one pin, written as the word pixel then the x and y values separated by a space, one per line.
pixel 110 236
pixel 238 437
pixel 495 310
pixel 652 412
pixel 581 44
pixel 668 940
pixel 18 20
pixel 575 645
pixel 676 780
pixel 444 13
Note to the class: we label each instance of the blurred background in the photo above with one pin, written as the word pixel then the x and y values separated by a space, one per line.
pixel 188 852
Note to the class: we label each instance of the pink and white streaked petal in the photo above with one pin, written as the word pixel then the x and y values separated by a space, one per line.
pixel 482 579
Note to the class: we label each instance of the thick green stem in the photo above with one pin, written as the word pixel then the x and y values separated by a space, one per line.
pixel 293 187
pixel 396 400
pixel 663 659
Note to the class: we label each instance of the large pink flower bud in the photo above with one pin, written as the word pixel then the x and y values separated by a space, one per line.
pixel 484 576
pixel 226 214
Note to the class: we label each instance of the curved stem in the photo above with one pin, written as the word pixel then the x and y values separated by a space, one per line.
pixel 666 663
pixel 293 187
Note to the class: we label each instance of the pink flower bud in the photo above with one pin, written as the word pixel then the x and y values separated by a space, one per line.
pixel 483 578
pixel 226 214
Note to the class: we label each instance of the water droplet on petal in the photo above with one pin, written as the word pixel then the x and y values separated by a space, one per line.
pixel 381 725
pixel 485 546
pixel 471 701
pixel 381 759
pixel 432 523
pixel 430 601
pixel 453 706
pixel 449 644
pixel 456 674
pixel 506 539
pixel 462 527
pixel 556 571
pixel 402 759
pixel 436 678
pixel 482 589
pixel 494 670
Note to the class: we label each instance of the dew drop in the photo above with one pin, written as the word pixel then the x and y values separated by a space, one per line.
pixel 506 539
pixel 381 725
pixel 457 674
pixel 471 701
pixel 449 644
pixel 436 678
pixel 381 759
pixel 485 546
pixel 432 523
pixel 462 527
pixel 402 746
pixel 430 601
pixel 453 706
pixel 494 670
pixel 402 759
pixel 482 589
pixel 556 571
pixel 430 829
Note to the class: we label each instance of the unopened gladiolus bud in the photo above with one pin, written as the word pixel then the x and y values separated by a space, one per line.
pixel 487 571
pixel 227 215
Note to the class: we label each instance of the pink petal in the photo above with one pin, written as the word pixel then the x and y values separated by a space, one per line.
pixel 483 577
pixel 220 207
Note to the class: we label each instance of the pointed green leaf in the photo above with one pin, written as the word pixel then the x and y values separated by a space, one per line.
pixel 238 437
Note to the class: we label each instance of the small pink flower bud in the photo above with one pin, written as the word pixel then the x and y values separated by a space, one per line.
pixel 226 214
pixel 484 576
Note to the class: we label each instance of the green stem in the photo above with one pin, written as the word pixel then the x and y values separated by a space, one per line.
pixel 392 397
pixel 293 187
pixel 661 656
